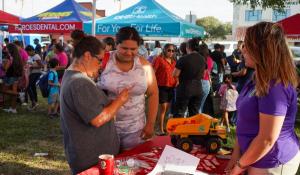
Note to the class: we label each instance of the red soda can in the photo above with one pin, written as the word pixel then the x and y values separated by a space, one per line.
pixel 106 164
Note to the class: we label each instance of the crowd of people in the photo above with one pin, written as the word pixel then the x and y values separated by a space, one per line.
pixel 113 91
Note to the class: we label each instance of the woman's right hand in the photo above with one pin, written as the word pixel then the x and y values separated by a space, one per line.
pixel 124 95
pixel 234 158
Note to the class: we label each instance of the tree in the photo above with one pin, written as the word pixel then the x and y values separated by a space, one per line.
pixel 274 4
pixel 214 27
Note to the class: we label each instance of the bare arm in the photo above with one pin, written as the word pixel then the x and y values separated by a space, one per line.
pixel 234 157
pixel 110 110
pixel 176 74
pixel 269 130
pixel 6 64
pixel 152 93
pixel 240 73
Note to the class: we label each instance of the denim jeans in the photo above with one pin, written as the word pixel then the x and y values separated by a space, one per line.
pixel 205 89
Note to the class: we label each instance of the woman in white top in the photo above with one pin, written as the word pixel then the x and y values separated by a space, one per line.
pixel 126 69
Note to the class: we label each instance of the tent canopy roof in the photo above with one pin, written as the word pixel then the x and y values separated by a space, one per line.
pixel 67 11
pixel 291 25
pixel 7 18
pixel 149 18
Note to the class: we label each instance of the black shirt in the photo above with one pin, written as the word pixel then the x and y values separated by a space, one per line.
pixel 192 68
pixel 38 49
pixel 217 56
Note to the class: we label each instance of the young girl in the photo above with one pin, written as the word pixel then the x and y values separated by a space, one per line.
pixel 229 96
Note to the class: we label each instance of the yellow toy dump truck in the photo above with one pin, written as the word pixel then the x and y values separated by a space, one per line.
pixel 200 129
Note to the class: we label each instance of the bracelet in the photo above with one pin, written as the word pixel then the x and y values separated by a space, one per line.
pixel 241 166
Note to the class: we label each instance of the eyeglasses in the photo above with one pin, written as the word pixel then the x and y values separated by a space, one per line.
pixel 98 58
pixel 170 50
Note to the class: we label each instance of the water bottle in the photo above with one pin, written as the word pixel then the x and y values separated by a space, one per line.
pixel 132 163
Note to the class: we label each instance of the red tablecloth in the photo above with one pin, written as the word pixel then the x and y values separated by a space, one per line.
pixel 209 163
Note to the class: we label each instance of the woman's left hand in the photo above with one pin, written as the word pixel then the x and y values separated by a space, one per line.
pixel 147 132
pixel 237 171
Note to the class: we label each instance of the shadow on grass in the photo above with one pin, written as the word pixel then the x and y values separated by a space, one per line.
pixel 12 168
pixel 26 133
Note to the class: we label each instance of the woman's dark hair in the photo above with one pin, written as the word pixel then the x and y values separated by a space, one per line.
pixel 53 62
pixel 110 41
pixel 182 48
pixel 217 46
pixel 203 50
pixel 229 77
pixel 88 44
pixel 193 44
pixel 157 44
pixel 18 43
pixel 59 47
pixel 29 48
pixel 17 65
pixel 166 46
pixel 127 33
pixel 6 40
pixel 76 36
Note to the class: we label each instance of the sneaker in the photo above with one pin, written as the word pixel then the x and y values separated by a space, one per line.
pixel 31 108
pixel 14 111
pixel 10 110
pixel 7 110
pixel 228 130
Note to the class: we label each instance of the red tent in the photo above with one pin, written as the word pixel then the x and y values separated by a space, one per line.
pixel 7 18
pixel 63 18
pixel 291 26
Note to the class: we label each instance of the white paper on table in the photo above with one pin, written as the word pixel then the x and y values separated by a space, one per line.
pixel 175 160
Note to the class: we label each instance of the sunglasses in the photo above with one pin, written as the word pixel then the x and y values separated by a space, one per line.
pixel 170 50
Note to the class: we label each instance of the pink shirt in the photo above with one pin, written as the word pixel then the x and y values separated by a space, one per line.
pixel 24 55
pixel 62 59
pixel 207 72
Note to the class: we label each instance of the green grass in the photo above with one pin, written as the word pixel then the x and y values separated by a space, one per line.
pixel 26 133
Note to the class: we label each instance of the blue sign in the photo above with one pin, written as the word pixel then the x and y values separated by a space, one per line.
pixel 149 18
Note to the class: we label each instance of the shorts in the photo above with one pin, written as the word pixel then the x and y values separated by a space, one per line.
pixel 166 94
pixel 53 98
pixel 8 81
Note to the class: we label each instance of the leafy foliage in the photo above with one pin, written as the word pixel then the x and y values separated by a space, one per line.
pixel 214 28
pixel 274 4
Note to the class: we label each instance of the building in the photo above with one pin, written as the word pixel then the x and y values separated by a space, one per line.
pixel 244 16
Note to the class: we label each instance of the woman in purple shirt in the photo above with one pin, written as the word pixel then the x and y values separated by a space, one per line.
pixel 266 142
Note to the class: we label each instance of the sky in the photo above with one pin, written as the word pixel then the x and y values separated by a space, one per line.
pixel 221 9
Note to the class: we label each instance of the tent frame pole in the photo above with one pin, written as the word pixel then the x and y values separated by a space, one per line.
pixel 93 18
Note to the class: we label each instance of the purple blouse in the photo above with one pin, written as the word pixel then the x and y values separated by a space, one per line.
pixel 280 101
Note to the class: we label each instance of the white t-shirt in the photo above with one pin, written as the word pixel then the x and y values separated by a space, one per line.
pixel 32 61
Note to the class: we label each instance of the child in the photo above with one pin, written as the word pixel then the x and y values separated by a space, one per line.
pixel 229 96
pixel 53 86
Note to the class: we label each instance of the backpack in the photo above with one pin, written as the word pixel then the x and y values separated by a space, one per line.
pixel 43 84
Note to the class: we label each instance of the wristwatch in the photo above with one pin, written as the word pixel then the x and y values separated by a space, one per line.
pixel 241 166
